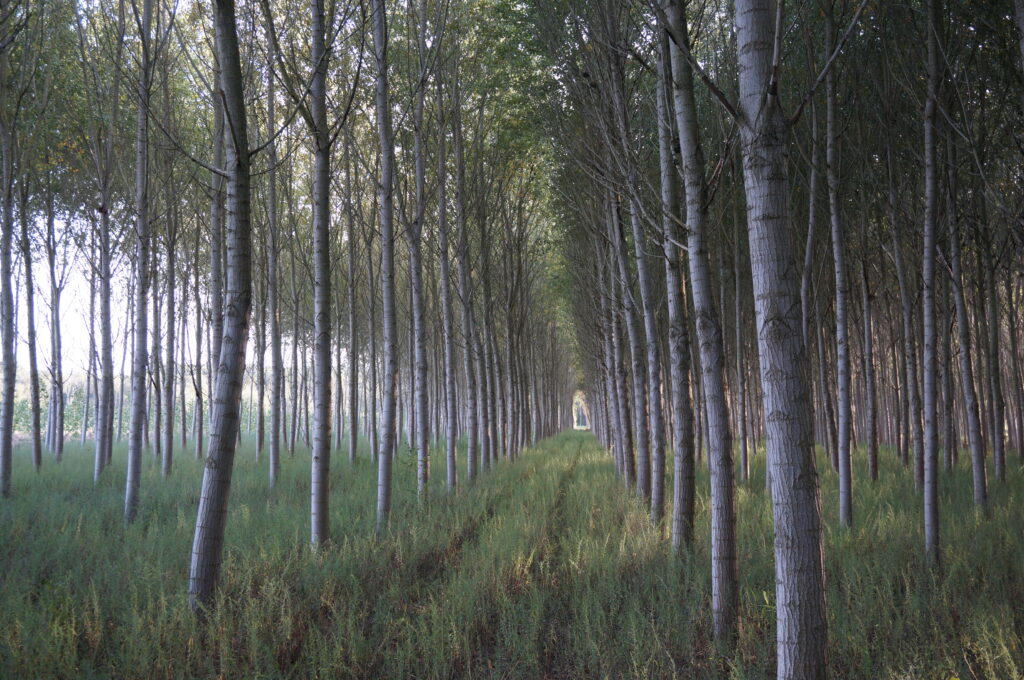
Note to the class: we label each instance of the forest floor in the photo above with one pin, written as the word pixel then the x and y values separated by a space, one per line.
pixel 544 568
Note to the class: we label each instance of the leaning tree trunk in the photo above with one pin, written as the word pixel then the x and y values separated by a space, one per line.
pixel 724 559
pixel 801 633
pixel 141 355
pixel 387 271
pixel 208 543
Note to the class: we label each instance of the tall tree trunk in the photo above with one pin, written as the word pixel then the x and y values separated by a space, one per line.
pixel 30 315
pixel 295 370
pixel 273 284
pixel 414 233
pixel 465 292
pixel 931 199
pixel 387 246
pixel 450 413
pixel 140 358
pixel 640 469
pixel 7 309
pixel 105 401
pixel 154 434
pixel 625 423
pixel 1015 377
pixel 870 391
pixel 913 413
pixel 353 336
pixel 998 404
pixel 216 304
pixel 208 543
pixel 843 406
pixel 799 570
pixel 320 530
pixel 724 559
pixel 741 378
pixel 170 311
pixel 198 379
pixel 90 365
pixel 678 344
pixel 56 351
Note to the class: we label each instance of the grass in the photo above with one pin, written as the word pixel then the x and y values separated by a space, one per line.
pixel 543 568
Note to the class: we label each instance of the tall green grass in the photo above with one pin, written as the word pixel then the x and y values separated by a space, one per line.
pixel 546 567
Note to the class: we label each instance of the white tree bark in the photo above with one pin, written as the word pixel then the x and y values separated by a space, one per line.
pixel 140 358
pixel 211 520
pixel 679 341
pixel 799 570
pixel 320 530
pixel 387 272
pixel 843 405
pixel 724 560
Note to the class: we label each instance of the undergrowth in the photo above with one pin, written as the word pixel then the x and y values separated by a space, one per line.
pixel 542 568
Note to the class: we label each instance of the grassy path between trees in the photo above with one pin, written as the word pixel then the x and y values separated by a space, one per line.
pixel 545 568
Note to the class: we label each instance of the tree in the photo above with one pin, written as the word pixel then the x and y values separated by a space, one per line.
pixel 799 569
pixel 931 197
pixel 387 272
pixel 211 520
pixel 709 337
pixel 141 355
